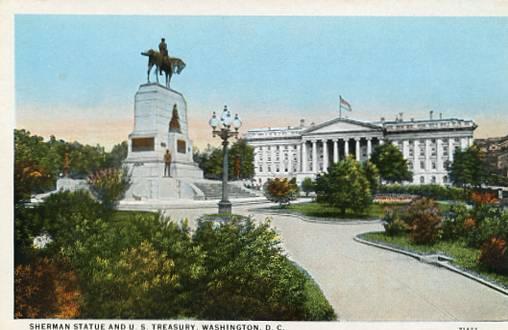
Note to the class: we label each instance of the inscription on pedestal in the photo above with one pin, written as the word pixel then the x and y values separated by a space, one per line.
pixel 180 146
pixel 142 144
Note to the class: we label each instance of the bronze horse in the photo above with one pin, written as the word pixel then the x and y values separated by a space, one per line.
pixel 168 65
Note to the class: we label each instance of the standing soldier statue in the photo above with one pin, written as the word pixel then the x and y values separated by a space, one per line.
pixel 167 163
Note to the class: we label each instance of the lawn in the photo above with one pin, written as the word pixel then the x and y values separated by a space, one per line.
pixel 463 256
pixel 319 210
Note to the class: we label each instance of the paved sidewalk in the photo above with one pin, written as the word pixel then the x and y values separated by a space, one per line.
pixel 364 283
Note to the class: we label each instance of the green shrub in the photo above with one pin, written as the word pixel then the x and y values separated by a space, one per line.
pixel 59 216
pixel 345 187
pixel 425 220
pixel 457 222
pixel 281 191
pixel 494 255
pixel 393 223
pixel 371 172
pixel 307 186
pixel 433 191
pixel 247 275
pixel 109 186
pixel 493 223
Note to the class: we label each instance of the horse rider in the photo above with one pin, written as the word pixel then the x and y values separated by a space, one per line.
pixel 163 48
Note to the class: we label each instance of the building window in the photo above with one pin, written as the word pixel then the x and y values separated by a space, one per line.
pixel 277 169
pixel 433 179
pixel 260 169
pixel 445 179
pixel 433 165
pixel 422 179
pixel 269 169
pixel 285 169
pixel 422 165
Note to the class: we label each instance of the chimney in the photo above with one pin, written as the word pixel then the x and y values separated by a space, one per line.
pixel 401 114
pixel 440 115
pixel 382 119
pixel 431 112
pixel 302 123
pixel 312 124
pixel 412 119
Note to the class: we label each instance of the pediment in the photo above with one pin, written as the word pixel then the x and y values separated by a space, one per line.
pixel 342 125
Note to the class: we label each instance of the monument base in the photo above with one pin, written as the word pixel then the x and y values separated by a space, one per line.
pixel 162 188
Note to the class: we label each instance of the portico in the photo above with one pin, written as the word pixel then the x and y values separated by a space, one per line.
pixel 305 151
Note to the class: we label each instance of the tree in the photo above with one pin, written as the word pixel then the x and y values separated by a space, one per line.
pixel 46 288
pixel 372 174
pixel 109 186
pixel 241 160
pixel 307 186
pixel 281 191
pixel 345 187
pixel 117 155
pixel 468 168
pixel 30 174
pixel 391 164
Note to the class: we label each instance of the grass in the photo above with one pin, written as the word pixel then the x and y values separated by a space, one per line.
pixel 319 210
pixel 463 256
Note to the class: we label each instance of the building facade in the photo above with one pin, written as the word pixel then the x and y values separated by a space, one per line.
pixel 304 151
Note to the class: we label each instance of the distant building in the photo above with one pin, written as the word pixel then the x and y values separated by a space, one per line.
pixel 306 150
pixel 496 150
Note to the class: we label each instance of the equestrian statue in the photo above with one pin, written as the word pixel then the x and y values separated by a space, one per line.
pixel 163 63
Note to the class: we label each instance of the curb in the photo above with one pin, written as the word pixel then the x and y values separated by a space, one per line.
pixel 436 260
pixel 333 221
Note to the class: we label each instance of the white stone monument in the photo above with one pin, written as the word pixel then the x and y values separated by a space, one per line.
pixel 160 124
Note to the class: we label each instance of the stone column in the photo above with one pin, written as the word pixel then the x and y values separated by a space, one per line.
pixel 274 163
pixel 304 156
pixel 439 154
pixel 463 143
pixel 325 155
pixel 290 158
pixel 416 155
pixel 427 154
pixel 357 149
pixel 451 150
pixel 346 147
pixel 298 157
pixel 405 149
pixel 369 147
pixel 335 151
pixel 314 157
pixel 281 159
pixel 470 141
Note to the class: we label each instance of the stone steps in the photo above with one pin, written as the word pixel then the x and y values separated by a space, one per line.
pixel 214 191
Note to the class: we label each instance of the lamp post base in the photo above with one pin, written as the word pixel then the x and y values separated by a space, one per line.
pixel 225 207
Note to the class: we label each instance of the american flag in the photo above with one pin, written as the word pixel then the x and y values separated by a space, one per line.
pixel 344 104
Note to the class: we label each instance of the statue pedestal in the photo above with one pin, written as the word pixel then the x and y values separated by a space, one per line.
pixel 154 108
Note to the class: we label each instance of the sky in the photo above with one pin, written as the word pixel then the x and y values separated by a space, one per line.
pixel 76 76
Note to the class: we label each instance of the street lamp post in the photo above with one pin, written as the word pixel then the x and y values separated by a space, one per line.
pixel 225 127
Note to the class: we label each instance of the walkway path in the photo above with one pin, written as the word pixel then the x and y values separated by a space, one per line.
pixel 364 283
